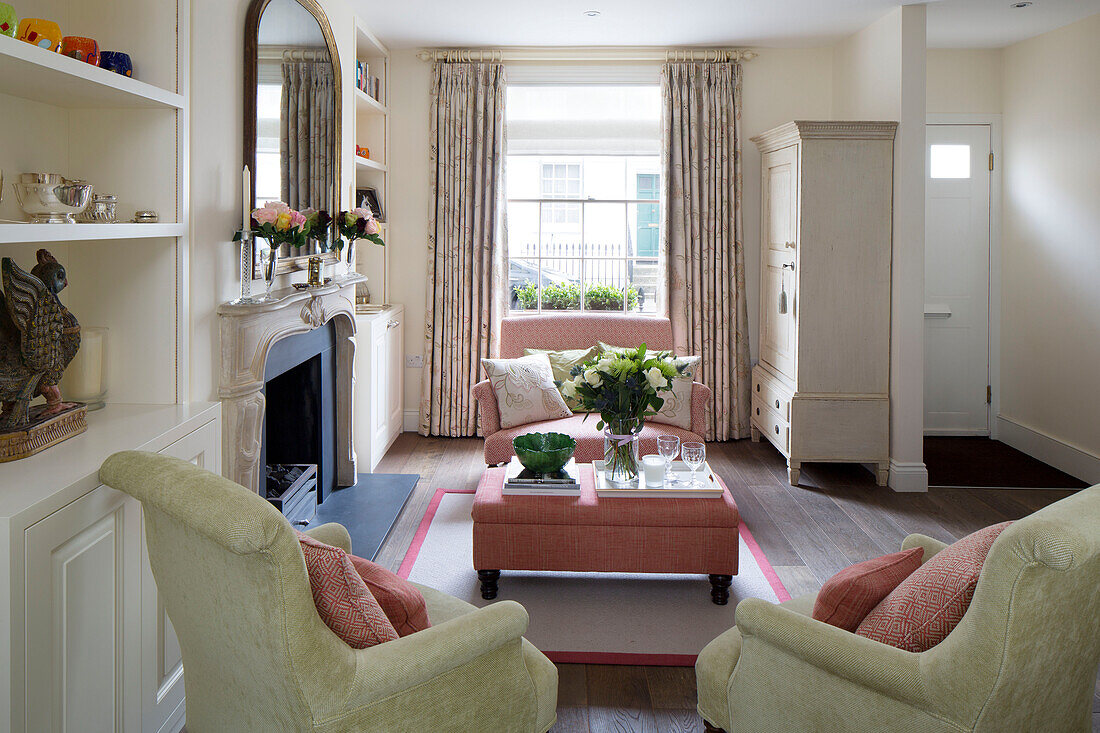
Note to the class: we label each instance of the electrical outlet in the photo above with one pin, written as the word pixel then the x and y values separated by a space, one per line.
pixel 414 361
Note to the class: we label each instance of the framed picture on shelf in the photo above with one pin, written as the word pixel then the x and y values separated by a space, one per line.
pixel 369 197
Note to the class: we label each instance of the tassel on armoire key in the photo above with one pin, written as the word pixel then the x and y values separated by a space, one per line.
pixel 783 298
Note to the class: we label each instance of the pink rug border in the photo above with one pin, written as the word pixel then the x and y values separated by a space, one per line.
pixel 655 660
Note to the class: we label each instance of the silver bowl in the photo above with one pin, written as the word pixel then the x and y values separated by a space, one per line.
pixel 49 198
pixel 100 211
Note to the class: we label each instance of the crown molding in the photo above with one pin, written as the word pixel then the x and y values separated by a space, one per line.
pixel 792 132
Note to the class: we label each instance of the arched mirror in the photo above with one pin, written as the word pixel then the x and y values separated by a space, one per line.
pixel 292 112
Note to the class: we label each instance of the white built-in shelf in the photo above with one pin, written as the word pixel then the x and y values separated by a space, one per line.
pixel 34 73
pixel 368 104
pixel 366 43
pixel 368 164
pixel 13 233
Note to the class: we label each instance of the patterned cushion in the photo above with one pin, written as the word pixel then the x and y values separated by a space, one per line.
pixel 847 597
pixel 923 610
pixel 677 407
pixel 525 390
pixel 561 362
pixel 403 604
pixel 343 600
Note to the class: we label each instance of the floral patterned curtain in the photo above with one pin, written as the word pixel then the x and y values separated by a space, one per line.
pixel 706 259
pixel 307 134
pixel 466 241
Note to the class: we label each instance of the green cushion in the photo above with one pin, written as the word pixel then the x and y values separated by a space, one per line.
pixel 562 362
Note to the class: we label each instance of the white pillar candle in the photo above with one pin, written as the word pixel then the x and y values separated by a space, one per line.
pixel 654 468
pixel 246 198
pixel 84 379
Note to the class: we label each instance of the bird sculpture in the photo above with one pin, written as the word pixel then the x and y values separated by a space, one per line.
pixel 38 338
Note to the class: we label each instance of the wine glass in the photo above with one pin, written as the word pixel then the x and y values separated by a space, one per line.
pixel 668 447
pixel 694 455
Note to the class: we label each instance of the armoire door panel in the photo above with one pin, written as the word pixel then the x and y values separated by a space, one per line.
pixel 778 294
pixel 780 188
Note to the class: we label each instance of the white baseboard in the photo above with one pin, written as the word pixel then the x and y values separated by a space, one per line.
pixel 1065 457
pixel 410 423
pixel 908 477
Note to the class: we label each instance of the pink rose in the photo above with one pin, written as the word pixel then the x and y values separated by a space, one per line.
pixel 278 206
pixel 297 220
pixel 372 226
pixel 265 216
pixel 362 213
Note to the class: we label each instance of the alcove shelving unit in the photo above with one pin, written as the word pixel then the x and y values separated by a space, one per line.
pixel 91 647
pixel 372 127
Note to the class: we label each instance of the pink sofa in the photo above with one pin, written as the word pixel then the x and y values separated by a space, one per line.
pixel 580 332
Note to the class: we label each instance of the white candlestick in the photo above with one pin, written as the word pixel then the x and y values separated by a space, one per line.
pixel 246 197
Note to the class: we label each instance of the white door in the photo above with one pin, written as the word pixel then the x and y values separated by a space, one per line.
pixel 956 280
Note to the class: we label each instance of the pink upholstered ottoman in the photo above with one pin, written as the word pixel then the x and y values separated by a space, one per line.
pixel 589 534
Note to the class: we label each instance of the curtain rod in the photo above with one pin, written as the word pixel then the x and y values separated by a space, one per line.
pixel 601 54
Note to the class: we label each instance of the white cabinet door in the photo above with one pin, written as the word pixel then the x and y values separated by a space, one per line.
pixel 780 198
pixel 395 386
pixel 83 646
pixel 777 332
pixel 162 690
pixel 380 378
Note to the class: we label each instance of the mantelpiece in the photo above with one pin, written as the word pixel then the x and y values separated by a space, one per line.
pixel 247 334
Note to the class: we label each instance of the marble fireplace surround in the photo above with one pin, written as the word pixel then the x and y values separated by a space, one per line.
pixel 247 333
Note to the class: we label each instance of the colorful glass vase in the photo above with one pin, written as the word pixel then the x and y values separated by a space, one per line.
pixel 81 49
pixel 116 61
pixel 8 22
pixel 42 33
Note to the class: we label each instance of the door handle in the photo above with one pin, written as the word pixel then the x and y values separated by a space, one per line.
pixel 937 310
pixel 788 264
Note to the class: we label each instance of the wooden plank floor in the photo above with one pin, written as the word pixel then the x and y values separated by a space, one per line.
pixel 837 517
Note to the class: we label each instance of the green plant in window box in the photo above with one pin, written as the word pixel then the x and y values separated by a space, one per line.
pixel 609 298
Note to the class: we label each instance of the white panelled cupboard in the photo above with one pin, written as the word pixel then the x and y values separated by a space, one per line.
pixel 820 390
pixel 85 644
pixel 380 377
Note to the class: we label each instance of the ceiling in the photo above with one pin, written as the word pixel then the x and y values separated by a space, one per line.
pixel 790 23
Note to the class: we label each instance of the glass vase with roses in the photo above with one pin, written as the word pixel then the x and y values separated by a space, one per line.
pixel 624 388
pixel 352 226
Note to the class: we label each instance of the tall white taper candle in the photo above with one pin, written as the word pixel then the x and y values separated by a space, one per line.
pixel 246 199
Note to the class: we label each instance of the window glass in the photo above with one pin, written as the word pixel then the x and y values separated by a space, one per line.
pixel 950 161
pixel 584 198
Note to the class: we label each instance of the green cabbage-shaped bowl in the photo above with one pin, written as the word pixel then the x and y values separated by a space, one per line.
pixel 544 452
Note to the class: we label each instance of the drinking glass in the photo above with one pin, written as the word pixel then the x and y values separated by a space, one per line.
pixel 694 455
pixel 668 447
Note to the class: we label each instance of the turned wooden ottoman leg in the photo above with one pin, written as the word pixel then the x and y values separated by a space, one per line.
pixel 489 583
pixel 720 588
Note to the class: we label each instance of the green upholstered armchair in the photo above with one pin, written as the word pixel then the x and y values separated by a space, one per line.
pixel 256 655
pixel 1023 658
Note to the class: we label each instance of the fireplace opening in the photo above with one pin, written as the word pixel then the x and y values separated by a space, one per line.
pixel 300 416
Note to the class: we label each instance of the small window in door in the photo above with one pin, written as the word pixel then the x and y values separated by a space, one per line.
pixel 950 161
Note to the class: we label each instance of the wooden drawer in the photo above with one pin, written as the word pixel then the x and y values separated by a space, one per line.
pixel 771 425
pixel 771 393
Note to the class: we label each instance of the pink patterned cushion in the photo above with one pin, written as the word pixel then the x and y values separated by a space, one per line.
pixel 923 610
pixel 847 597
pixel 577 331
pixel 403 604
pixel 343 599
pixel 498 445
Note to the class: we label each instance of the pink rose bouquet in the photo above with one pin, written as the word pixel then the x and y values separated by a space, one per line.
pixel 358 224
pixel 282 225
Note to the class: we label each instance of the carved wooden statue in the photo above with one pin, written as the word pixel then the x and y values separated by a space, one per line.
pixel 38 338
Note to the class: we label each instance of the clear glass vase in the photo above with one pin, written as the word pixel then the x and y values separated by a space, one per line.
pixel 620 452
